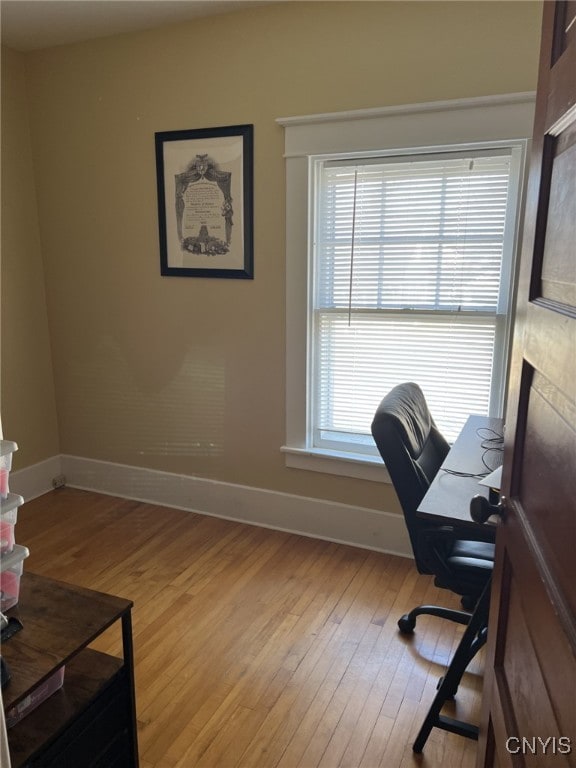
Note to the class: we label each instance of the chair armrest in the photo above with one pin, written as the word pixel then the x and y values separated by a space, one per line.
pixel 436 546
pixel 486 532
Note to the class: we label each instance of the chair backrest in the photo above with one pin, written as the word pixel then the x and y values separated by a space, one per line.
pixel 411 446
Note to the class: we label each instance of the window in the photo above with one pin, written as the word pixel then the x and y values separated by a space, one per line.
pixel 411 277
pixel 400 268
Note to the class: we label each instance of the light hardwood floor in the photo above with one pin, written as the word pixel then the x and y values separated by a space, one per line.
pixel 256 648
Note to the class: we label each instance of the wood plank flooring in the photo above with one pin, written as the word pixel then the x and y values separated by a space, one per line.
pixel 256 648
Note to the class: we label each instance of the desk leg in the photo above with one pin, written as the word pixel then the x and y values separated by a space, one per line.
pixel 472 640
pixel 129 667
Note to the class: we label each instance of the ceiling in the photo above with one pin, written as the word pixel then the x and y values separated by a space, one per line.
pixel 27 25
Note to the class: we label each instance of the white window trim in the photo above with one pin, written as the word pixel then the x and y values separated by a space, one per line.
pixel 401 128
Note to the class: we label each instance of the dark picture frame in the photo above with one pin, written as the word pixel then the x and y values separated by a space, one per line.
pixel 205 180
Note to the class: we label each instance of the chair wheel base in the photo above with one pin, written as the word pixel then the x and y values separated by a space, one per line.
pixel 406 624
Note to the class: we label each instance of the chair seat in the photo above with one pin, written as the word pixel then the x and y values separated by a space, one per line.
pixel 476 550
pixel 473 559
pixel 470 564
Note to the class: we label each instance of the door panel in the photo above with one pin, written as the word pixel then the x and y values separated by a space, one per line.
pixel 550 430
pixel 559 265
pixel 534 671
pixel 529 708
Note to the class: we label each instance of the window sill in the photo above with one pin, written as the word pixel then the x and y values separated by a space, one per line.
pixel 353 465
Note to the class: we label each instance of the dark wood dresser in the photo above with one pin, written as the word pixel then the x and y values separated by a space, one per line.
pixel 91 721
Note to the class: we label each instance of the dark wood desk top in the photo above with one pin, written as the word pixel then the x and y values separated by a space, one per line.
pixel 448 498
pixel 59 620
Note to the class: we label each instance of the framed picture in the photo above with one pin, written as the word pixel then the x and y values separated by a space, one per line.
pixel 205 202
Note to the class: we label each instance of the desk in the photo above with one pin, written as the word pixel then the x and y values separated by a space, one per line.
pixel 448 501
pixel 448 498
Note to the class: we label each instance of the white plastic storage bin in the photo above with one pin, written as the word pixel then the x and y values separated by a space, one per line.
pixel 11 567
pixel 7 448
pixel 8 517
pixel 34 699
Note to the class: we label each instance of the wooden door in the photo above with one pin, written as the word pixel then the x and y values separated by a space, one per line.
pixel 529 708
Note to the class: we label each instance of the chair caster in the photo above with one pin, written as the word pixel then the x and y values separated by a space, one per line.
pixel 406 624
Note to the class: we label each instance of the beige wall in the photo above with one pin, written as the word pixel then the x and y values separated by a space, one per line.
pixel 27 386
pixel 187 375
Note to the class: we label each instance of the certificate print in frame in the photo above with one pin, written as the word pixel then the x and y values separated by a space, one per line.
pixel 205 202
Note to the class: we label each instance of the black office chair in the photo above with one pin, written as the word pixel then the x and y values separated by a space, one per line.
pixel 413 450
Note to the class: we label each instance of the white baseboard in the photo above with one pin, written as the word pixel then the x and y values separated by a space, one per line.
pixel 36 479
pixel 317 518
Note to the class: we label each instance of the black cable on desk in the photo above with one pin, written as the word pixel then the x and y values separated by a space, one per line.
pixel 493 442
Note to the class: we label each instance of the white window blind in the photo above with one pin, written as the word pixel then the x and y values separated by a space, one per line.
pixel 407 286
